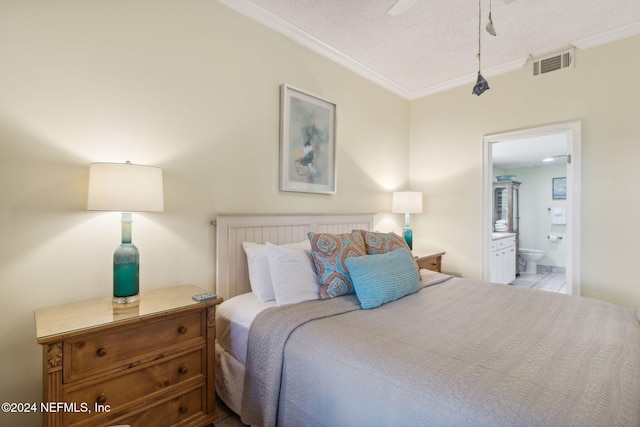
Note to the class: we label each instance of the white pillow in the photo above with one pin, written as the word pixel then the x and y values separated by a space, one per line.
pixel 259 273
pixel 292 274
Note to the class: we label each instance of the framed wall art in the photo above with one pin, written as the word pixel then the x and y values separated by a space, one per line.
pixel 559 188
pixel 307 142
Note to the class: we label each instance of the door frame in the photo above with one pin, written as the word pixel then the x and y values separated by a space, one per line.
pixel 573 132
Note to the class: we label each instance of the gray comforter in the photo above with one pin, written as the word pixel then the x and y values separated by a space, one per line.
pixel 460 353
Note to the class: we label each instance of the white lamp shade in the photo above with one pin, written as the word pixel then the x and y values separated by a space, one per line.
pixel 125 187
pixel 407 202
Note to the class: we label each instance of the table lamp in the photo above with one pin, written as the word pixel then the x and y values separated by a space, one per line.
pixel 126 188
pixel 407 202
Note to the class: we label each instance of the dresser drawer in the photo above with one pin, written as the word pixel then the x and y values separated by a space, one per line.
pixel 172 411
pixel 150 364
pixel 126 347
pixel 502 243
pixel 137 385
pixel 430 263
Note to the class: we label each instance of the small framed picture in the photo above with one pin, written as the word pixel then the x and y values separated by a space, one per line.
pixel 307 142
pixel 559 188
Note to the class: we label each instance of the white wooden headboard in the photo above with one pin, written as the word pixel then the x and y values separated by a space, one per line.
pixel 232 275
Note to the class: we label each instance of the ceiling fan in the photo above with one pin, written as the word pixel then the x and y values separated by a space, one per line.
pixel 401 7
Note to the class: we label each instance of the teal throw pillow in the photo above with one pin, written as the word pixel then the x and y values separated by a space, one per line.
pixel 379 279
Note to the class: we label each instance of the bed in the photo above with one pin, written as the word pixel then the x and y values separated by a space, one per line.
pixel 453 352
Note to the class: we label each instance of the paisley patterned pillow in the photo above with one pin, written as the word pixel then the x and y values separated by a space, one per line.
pixel 329 252
pixel 381 243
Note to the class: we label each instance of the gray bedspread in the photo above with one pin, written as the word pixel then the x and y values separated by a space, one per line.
pixel 460 353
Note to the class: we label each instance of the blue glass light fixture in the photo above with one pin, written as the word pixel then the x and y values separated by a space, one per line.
pixel 481 85
pixel 126 188
pixel 407 202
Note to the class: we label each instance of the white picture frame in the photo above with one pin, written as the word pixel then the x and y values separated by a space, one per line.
pixel 559 191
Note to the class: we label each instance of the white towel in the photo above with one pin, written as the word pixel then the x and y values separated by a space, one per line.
pixel 558 216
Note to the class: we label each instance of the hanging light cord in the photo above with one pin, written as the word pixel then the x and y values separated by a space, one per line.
pixel 479 32
pixel 481 84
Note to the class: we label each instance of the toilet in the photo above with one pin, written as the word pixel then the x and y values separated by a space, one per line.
pixel 531 257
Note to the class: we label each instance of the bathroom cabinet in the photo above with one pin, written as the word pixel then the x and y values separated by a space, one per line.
pixel 503 259
pixel 506 211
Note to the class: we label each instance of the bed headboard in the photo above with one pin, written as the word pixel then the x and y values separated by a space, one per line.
pixel 232 275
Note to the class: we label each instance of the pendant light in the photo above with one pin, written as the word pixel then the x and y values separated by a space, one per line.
pixel 481 83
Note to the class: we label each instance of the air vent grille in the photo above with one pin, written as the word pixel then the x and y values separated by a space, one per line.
pixel 553 62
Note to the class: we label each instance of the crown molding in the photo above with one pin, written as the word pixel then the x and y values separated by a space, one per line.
pixel 249 9
pixel 608 36
pixel 469 78
pixel 252 11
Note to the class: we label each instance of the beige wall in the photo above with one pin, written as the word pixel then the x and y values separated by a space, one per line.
pixel 195 90
pixel 446 161
pixel 191 87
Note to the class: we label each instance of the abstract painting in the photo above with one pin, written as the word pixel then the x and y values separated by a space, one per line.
pixel 307 142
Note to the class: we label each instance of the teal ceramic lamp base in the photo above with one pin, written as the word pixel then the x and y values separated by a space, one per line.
pixel 126 267
pixel 407 233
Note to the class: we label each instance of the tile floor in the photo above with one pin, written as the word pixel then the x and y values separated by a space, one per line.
pixel 543 280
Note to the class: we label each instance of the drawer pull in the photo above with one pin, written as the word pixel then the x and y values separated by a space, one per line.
pixel 183 370
pixel 182 329
pixel 183 409
pixel 102 399
pixel 101 352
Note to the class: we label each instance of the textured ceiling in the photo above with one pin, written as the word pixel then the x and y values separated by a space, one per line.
pixel 434 45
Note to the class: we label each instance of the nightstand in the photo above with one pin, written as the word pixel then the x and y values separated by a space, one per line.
pixel 150 362
pixel 431 260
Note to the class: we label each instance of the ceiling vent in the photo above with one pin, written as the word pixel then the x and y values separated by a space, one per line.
pixel 555 62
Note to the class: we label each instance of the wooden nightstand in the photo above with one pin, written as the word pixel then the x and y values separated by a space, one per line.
pixel 145 363
pixel 431 260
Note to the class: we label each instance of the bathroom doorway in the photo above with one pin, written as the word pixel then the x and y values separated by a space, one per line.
pixel 553 225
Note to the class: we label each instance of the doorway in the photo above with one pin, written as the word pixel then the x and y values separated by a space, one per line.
pixel 568 132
